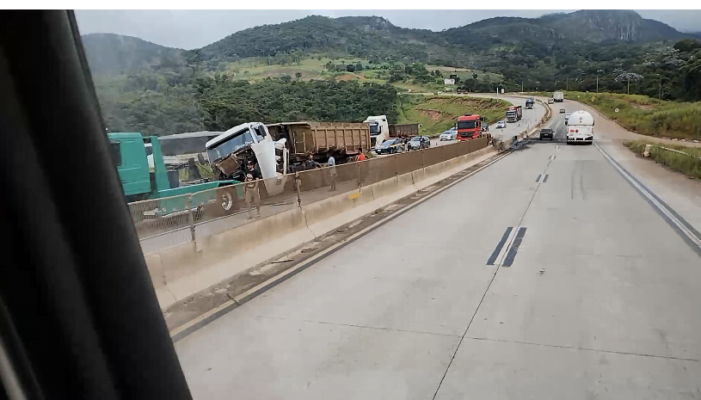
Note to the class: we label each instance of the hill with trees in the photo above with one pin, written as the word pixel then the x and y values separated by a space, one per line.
pixel 156 89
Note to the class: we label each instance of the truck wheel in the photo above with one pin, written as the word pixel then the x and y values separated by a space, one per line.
pixel 226 203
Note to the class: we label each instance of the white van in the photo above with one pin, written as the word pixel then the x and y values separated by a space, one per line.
pixel 580 127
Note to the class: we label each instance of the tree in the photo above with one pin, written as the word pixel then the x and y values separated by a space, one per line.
pixel 350 68
pixel 358 66
pixel 627 77
pixel 298 75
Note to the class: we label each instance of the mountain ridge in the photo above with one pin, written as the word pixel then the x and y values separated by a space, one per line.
pixel 367 36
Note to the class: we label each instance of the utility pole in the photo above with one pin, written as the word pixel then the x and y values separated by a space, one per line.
pixel 521 86
pixel 597 84
pixel 628 85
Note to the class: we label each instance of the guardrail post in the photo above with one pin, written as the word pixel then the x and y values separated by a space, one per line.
pixel 396 163
pixel 297 183
pixel 191 218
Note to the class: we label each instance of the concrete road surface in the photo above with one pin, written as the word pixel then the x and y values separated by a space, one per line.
pixel 544 276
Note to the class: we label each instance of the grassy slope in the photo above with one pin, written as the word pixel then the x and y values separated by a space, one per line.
pixel 438 113
pixel 311 68
pixel 688 165
pixel 254 69
pixel 644 115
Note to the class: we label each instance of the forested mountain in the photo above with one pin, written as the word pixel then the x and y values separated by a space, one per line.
pixel 112 53
pixel 155 89
pixel 376 38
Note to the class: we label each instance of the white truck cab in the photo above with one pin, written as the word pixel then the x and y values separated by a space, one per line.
pixel 269 154
pixel 580 127
pixel 379 130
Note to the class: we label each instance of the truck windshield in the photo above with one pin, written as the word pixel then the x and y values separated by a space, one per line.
pixel 374 128
pixel 467 124
pixel 232 144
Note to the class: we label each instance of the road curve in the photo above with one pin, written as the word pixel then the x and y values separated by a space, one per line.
pixel 545 276
pixel 530 118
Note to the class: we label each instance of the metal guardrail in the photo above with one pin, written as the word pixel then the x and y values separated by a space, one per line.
pixel 177 220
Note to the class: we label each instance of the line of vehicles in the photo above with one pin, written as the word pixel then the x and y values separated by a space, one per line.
pixel 277 150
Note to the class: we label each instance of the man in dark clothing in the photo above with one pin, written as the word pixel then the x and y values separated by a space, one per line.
pixel 253 170
pixel 310 163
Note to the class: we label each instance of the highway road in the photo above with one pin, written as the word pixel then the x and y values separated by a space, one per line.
pixel 530 118
pixel 545 276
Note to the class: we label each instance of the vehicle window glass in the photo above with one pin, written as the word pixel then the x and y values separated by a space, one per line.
pixel 116 154
pixel 467 124
pixel 232 144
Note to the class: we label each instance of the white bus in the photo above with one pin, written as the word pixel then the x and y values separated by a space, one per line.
pixel 580 127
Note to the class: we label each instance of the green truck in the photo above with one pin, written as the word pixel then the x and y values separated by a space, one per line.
pixel 131 152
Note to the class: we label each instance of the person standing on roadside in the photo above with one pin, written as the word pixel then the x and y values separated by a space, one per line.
pixel 252 194
pixel 332 172
pixel 361 155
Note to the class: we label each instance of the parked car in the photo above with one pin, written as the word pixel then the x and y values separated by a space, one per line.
pixel 562 111
pixel 501 124
pixel 546 133
pixel 551 101
pixel 390 146
pixel 450 134
pixel 419 142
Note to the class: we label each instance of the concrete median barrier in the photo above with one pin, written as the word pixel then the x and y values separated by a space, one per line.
pixel 328 214
pixel 184 272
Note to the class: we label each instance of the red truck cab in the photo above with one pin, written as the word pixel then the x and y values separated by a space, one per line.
pixel 469 127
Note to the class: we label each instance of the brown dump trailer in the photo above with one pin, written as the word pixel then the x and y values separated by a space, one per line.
pixel 403 130
pixel 321 139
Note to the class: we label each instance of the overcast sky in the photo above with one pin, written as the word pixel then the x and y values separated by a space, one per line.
pixel 193 29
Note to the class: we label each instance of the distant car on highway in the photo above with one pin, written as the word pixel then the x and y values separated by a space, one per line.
pixel 546 133
pixel 419 142
pixel 551 101
pixel 501 124
pixel 390 146
pixel 450 134
pixel 562 111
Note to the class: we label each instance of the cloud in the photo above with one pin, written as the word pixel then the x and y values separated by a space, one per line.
pixel 192 29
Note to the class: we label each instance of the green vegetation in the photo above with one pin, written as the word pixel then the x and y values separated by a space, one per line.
pixel 158 90
pixel 226 103
pixel 439 113
pixel 645 115
pixel 689 164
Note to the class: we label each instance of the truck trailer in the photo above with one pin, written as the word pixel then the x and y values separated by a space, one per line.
pixel 558 97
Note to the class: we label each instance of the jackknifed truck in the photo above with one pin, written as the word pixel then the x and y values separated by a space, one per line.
pixel 281 149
